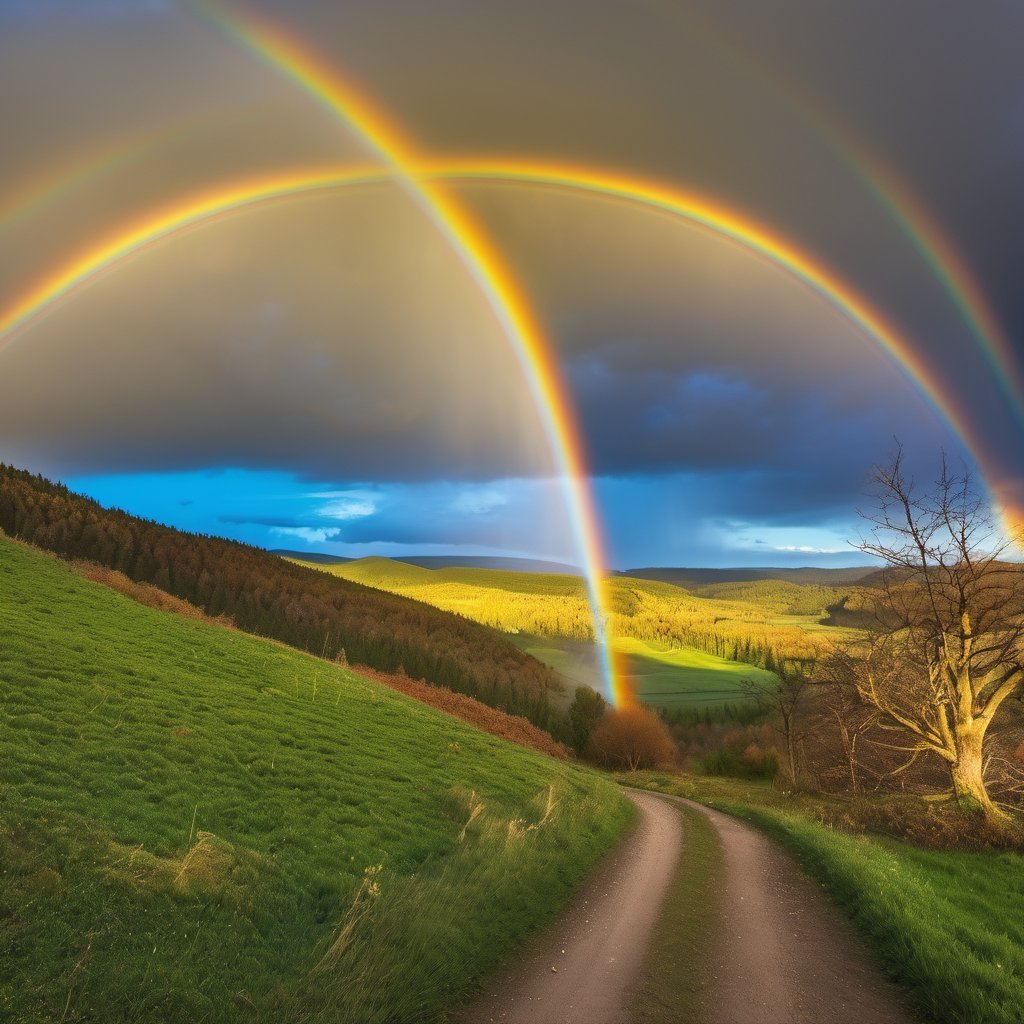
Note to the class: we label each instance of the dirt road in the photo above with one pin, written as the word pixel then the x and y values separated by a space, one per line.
pixel 781 954
pixel 580 972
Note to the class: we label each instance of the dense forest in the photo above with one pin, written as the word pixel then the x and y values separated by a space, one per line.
pixel 268 596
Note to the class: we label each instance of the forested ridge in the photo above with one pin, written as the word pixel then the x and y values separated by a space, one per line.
pixel 761 623
pixel 268 596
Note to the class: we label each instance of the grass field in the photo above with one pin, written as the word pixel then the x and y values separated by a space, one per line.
pixel 948 925
pixel 664 676
pixel 202 826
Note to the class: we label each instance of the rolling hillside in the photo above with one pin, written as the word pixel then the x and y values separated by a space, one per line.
pixel 843 577
pixel 440 561
pixel 203 825
pixel 269 596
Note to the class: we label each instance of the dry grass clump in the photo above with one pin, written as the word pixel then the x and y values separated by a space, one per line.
pixel 368 891
pixel 145 593
pixel 206 866
pixel 498 723
pixel 207 863
pixel 518 827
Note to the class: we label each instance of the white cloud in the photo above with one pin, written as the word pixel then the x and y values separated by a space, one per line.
pixel 804 549
pixel 346 504
pixel 479 502
pixel 310 534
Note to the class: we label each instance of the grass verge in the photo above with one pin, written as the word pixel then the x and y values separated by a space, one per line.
pixel 948 925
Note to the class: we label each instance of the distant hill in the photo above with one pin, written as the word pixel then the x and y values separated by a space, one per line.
pixel 273 597
pixel 680 577
pixel 442 561
pixel 764 623
pixel 490 562
pixel 310 556
pixel 809 575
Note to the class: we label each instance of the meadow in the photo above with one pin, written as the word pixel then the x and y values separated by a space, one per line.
pixel 663 676
pixel 683 647
pixel 202 825
pixel 947 924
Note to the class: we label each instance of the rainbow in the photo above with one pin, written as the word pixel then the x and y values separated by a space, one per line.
pixel 918 225
pixel 209 206
pixel 496 283
pixel 939 253
pixel 288 56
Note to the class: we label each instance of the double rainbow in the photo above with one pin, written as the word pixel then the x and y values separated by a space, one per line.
pixel 209 206
pixel 423 180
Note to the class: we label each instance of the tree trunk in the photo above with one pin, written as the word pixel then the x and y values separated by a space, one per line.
pixel 968 781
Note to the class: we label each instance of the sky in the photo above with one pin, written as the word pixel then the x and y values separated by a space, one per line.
pixel 322 373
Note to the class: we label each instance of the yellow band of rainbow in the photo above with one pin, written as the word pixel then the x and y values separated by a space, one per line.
pixel 206 207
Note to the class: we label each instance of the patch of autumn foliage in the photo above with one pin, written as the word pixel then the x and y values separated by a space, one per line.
pixel 147 594
pixel 513 728
pixel 631 738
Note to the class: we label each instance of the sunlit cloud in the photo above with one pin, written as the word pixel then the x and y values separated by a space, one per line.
pixel 348 505
pixel 805 549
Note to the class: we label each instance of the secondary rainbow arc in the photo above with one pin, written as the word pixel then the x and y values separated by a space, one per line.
pixel 210 205
pixel 919 225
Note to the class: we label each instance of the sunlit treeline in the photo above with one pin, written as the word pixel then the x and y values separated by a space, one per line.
pixel 769 623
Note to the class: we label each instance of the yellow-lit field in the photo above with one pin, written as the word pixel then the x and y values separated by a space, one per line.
pixel 694 646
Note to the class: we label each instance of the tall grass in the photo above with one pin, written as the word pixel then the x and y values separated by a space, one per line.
pixel 409 947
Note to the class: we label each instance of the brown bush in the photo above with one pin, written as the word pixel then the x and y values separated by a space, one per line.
pixel 631 738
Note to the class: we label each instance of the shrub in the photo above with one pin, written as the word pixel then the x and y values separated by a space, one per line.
pixel 586 710
pixel 752 762
pixel 631 738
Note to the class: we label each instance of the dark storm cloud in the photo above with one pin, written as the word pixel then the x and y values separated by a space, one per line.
pixel 757 104
pixel 340 341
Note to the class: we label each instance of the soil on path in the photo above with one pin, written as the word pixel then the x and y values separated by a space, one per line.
pixel 581 970
pixel 783 954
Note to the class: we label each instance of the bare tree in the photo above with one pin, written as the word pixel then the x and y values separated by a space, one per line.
pixel 854 721
pixel 785 701
pixel 947 646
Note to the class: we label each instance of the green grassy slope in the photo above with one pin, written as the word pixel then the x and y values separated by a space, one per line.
pixel 189 815
pixel 268 596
